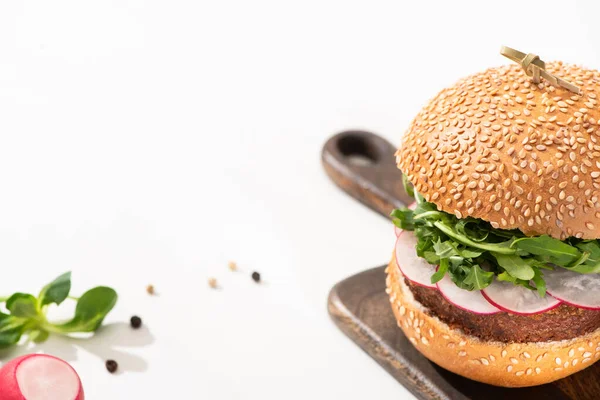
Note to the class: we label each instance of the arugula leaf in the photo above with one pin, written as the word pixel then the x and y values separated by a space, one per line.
pixel 91 309
pixel 441 271
pixel 592 264
pixel 478 279
pixel 408 187
pixel 470 253
pixel 469 227
pixel 586 268
pixel 558 252
pixel 506 277
pixel 540 283
pixel 431 257
pixel 581 260
pixel 403 219
pixel 445 249
pixel 592 247
pixel 501 248
pixel 462 246
pixel 515 266
pixel 56 291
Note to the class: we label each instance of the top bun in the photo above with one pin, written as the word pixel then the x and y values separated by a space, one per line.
pixel 499 147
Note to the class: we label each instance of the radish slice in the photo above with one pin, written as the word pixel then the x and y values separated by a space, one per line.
pixel 39 377
pixel 517 299
pixel 461 298
pixel 415 268
pixel 580 290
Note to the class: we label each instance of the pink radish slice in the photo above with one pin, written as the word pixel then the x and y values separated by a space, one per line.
pixel 415 268
pixel 517 299
pixel 39 377
pixel 461 298
pixel 579 290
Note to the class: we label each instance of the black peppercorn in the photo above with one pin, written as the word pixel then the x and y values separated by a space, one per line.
pixel 111 366
pixel 136 322
pixel 256 276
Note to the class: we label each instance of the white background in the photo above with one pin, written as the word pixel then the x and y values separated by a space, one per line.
pixel 154 141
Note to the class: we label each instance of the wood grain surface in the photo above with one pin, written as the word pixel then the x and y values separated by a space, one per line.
pixel 363 165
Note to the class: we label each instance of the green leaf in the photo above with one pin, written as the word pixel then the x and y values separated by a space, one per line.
pixel 408 187
pixel 56 291
pixel 592 264
pixel 445 249
pixel 506 277
pixel 469 253
pixel 22 305
pixel 540 283
pixel 582 259
pixel 515 266
pixel 593 248
pixel 471 228
pixel 478 279
pixel 403 219
pixel 39 335
pixel 431 257
pixel 501 248
pixel 28 316
pixel 461 246
pixel 91 310
pixel 559 252
pixel 442 269
pixel 429 215
pixel 11 330
pixel 10 337
pixel 586 268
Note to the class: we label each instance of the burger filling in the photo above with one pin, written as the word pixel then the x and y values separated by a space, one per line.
pixel 561 323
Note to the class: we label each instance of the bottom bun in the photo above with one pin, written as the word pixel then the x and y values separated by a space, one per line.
pixel 494 363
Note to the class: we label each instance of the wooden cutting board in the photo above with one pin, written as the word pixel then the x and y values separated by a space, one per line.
pixel 362 164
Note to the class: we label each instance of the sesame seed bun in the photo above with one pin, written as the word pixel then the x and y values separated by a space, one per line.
pixel 498 147
pixel 495 363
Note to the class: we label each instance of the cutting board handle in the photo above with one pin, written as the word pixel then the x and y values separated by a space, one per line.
pixel 364 166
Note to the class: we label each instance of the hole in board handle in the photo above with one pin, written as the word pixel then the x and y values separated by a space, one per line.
pixel 358 150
